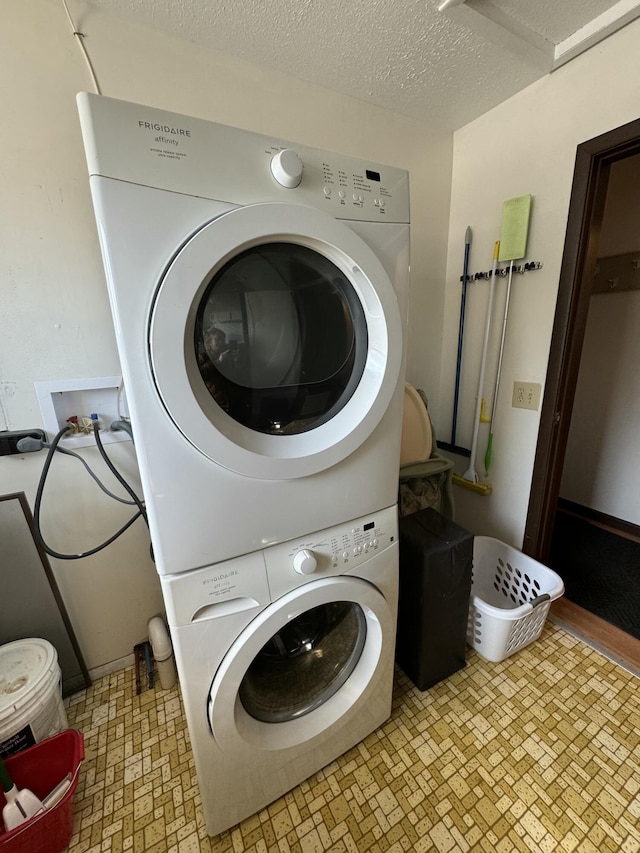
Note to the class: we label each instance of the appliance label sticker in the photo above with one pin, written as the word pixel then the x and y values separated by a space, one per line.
pixel 17 742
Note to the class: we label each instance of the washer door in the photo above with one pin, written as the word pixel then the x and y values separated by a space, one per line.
pixel 275 341
pixel 301 665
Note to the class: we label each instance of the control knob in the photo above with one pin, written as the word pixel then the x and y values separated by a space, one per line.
pixel 286 168
pixel 304 562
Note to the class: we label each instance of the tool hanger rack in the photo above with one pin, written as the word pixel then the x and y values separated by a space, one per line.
pixel 503 272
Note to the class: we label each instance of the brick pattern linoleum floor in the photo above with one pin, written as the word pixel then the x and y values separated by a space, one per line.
pixel 538 753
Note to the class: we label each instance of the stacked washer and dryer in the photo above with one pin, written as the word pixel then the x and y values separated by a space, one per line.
pixel 259 295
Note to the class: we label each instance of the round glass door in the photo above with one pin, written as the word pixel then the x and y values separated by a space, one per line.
pixel 280 338
pixel 304 663
pixel 275 341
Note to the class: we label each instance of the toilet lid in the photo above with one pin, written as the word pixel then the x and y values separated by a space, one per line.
pixel 417 439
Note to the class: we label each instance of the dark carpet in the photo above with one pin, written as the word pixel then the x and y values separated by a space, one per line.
pixel 600 570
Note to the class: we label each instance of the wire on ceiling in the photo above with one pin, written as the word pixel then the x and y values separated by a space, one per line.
pixel 80 36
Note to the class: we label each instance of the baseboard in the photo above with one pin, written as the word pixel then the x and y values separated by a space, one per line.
pixel 112 666
pixel 614 644
pixel 601 519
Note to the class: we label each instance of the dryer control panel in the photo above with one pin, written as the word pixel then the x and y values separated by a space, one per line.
pixel 164 150
pixel 346 190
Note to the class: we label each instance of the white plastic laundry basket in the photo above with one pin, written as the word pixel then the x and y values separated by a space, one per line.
pixel 510 598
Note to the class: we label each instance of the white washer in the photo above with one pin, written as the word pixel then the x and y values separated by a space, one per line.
pixel 282 671
pixel 302 259
pixel 287 423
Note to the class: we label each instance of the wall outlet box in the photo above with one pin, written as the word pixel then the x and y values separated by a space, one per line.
pixel 526 395
pixel 64 398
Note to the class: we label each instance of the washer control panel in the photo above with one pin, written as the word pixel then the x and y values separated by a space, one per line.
pixel 248 583
pixel 305 562
pixel 334 551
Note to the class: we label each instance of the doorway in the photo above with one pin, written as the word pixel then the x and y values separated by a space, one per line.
pixel 594 161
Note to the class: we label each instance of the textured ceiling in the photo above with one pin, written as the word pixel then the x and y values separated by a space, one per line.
pixel 445 68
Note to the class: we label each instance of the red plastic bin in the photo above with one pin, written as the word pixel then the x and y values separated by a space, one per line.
pixel 40 768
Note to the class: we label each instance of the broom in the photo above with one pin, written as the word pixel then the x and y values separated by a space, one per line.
pixel 470 479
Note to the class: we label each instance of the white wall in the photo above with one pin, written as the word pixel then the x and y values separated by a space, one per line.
pixel 526 145
pixel 620 230
pixel 54 311
pixel 602 464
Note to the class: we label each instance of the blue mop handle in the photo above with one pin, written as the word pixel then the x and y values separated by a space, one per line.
pixel 463 302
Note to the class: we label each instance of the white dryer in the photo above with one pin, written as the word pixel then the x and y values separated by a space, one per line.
pixel 259 297
pixel 286 659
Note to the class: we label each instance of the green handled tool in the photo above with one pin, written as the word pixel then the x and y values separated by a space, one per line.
pixel 21 804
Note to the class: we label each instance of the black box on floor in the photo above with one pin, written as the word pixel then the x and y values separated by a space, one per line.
pixel 436 558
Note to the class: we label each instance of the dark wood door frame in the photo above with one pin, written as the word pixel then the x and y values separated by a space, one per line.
pixel 590 181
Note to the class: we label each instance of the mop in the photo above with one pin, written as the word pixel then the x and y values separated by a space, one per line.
pixel 513 246
pixel 470 479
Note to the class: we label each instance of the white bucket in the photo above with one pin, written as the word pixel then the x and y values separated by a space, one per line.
pixel 31 706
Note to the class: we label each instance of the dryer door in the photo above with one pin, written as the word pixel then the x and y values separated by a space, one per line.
pixel 303 663
pixel 275 341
